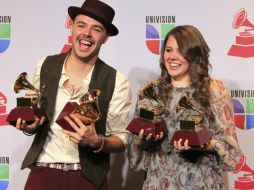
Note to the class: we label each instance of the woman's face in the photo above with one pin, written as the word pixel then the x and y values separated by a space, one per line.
pixel 176 65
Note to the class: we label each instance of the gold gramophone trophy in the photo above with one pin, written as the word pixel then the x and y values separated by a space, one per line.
pixel 27 107
pixel 190 127
pixel 150 116
pixel 87 110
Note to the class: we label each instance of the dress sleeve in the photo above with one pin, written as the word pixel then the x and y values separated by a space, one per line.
pixel 139 159
pixel 224 135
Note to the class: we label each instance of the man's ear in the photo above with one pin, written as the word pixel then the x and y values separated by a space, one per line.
pixel 69 24
pixel 70 29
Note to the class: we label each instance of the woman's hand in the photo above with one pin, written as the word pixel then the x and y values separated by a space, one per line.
pixel 143 142
pixel 179 146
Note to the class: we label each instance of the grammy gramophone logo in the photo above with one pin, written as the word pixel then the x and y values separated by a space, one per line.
pixel 245 179
pixel 3 114
pixel 67 46
pixel 244 41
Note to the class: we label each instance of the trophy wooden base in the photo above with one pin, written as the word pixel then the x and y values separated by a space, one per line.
pixel 25 113
pixel 149 127
pixel 196 138
pixel 67 110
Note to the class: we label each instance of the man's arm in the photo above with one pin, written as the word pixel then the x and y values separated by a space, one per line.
pixel 116 135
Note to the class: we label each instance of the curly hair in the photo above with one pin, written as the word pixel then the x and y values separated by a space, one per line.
pixel 195 50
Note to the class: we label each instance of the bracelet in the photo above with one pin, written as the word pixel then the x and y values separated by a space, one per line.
pixel 102 145
pixel 27 134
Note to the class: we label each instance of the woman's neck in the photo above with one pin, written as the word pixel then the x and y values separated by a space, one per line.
pixel 182 83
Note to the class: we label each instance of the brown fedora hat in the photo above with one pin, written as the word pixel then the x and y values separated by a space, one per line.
pixel 97 10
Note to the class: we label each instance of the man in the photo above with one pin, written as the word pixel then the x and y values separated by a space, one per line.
pixel 78 160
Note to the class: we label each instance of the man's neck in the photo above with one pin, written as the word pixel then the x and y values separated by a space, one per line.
pixel 79 65
pixel 78 68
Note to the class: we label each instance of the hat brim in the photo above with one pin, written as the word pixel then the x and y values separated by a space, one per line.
pixel 74 11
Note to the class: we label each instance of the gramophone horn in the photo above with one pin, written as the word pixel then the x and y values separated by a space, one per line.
pixel 22 84
pixel 185 103
pixel 243 166
pixel 240 19
pixel 88 110
pixel 150 93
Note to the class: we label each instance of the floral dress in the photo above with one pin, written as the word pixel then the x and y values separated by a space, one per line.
pixel 170 169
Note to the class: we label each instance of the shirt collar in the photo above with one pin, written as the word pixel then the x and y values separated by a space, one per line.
pixel 65 77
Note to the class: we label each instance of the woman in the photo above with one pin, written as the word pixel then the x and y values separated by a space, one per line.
pixel 185 72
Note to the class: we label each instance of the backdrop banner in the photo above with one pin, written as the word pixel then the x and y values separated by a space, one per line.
pixel 32 30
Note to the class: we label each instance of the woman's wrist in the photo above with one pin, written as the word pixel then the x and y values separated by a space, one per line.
pixel 213 145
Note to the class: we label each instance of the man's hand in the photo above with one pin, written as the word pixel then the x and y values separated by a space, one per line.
pixel 23 126
pixel 84 135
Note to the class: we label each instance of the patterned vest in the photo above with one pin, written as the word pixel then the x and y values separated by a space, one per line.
pixel 94 166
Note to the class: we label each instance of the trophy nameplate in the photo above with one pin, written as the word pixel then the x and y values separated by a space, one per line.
pixel 149 117
pixel 27 107
pixel 190 128
pixel 87 110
